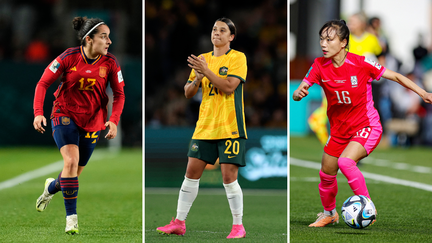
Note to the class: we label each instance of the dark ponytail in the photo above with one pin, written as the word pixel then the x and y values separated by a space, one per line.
pixel 83 25
pixel 343 22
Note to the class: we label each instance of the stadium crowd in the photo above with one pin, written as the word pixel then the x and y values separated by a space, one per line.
pixel 176 29
pixel 406 118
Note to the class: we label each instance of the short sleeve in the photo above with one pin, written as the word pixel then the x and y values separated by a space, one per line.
pixel 238 67
pixel 192 76
pixel 312 76
pixel 374 69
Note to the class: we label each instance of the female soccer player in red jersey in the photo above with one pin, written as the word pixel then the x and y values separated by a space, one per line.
pixel 220 131
pixel 79 111
pixel 355 128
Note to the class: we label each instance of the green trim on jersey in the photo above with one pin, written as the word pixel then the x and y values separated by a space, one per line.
pixel 238 103
pixel 190 81
pixel 226 53
pixel 235 76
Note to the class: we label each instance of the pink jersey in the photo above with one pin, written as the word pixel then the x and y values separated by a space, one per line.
pixel 348 90
pixel 82 93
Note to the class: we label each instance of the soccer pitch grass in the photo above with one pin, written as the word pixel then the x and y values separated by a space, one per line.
pixel 109 203
pixel 404 212
pixel 210 220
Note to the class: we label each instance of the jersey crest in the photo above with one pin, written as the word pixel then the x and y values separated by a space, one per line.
pixel 354 81
pixel 223 70
pixel 102 72
pixel 194 147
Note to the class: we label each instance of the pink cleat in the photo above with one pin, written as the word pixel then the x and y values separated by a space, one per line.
pixel 176 226
pixel 237 231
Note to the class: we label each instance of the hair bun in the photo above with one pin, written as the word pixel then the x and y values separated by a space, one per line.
pixel 343 21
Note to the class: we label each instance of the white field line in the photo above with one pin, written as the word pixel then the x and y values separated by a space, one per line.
pixel 397 165
pixel 56 166
pixel 51 168
pixel 377 177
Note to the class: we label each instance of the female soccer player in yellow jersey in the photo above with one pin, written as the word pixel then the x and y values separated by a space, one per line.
pixel 220 131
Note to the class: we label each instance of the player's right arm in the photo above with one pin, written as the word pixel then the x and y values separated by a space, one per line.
pixel 301 91
pixel 51 73
pixel 37 123
pixel 312 77
pixel 191 88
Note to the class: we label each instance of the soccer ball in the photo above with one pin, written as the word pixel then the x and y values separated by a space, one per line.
pixel 358 212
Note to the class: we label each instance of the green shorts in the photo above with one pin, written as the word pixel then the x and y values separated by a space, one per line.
pixel 230 151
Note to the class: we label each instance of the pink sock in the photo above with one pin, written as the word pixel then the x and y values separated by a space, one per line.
pixel 328 189
pixel 355 178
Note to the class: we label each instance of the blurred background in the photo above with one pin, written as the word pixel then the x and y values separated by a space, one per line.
pixel 176 29
pixel 33 33
pixel 403 30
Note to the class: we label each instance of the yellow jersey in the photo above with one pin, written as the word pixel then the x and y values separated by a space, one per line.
pixel 221 116
pixel 368 44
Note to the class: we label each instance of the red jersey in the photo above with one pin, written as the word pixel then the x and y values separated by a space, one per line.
pixel 348 90
pixel 81 94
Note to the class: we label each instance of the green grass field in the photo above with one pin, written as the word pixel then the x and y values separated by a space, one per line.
pixel 109 201
pixel 210 220
pixel 404 212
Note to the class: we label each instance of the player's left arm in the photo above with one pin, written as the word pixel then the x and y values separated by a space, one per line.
pixel 117 86
pixel 407 83
pixel 227 85
pixel 112 130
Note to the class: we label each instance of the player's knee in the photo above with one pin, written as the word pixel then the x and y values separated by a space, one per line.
pixel 71 160
pixel 329 169
pixel 193 174
pixel 71 164
pixel 345 164
pixel 229 177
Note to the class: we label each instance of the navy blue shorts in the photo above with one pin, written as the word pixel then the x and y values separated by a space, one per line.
pixel 65 131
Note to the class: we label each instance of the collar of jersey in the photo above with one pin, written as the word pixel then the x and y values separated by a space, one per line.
pixel 226 53
pixel 88 60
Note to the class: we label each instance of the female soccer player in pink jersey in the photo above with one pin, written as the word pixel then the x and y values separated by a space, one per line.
pixel 355 128
pixel 220 132
pixel 79 111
